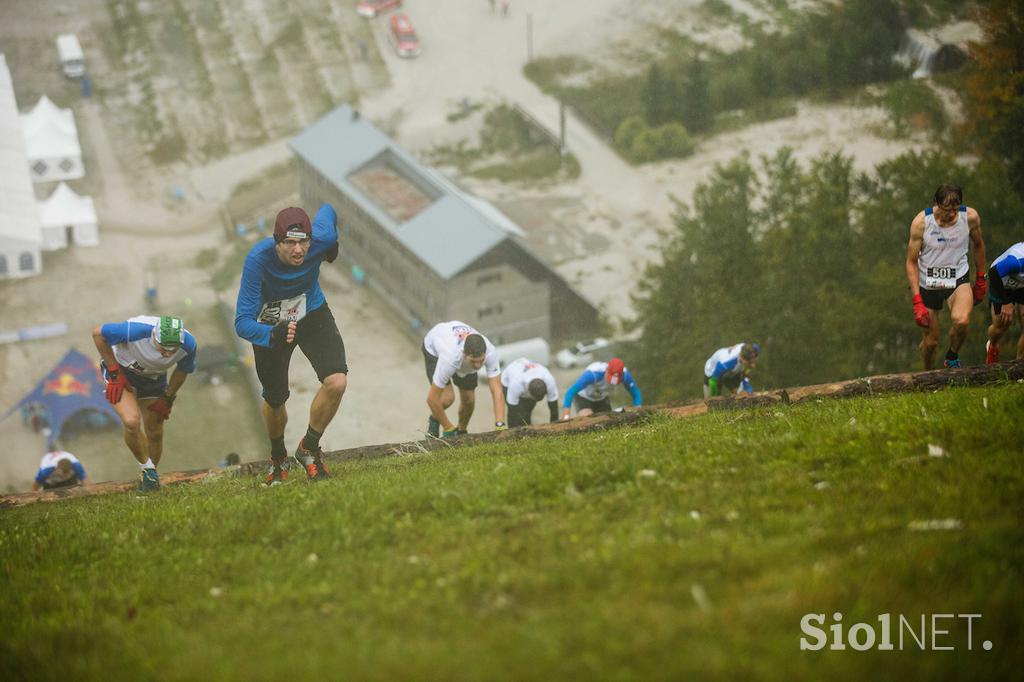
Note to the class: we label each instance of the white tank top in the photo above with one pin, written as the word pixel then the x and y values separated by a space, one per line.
pixel 943 258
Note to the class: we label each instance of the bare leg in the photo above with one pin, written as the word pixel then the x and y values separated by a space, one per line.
pixel 960 304
pixel 930 340
pixel 276 418
pixel 467 403
pixel 1018 312
pixel 585 412
pixel 996 330
pixel 154 432
pixel 327 401
pixel 127 409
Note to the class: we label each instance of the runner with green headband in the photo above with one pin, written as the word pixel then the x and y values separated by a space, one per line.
pixel 136 356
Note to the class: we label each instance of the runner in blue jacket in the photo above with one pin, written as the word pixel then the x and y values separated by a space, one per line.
pixel 281 306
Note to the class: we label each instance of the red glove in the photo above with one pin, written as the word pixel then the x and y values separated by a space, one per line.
pixel 921 316
pixel 979 289
pixel 162 406
pixel 116 383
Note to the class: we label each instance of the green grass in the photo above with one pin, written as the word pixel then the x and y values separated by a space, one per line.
pixel 550 559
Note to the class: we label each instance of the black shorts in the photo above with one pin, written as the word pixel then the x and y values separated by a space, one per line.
pixel 318 337
pixel 1012 296
pixel 520 414
pixel 466 383
pixel 934 298
pixel 143 386
pixel 581 403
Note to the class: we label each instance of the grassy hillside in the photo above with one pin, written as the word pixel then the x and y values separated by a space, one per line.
pixel 687 548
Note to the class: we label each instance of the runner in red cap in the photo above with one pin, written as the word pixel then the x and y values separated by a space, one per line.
pixel 591 392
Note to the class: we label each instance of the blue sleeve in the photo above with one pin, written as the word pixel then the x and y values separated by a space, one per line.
pixel 121 332
pixel 630 383
pixel 79 469
pixel 723 367
pixel 247 308
pixel 43 473
pixel 585 380
pixel 1010 265
pixel 188 363
pixel 325 230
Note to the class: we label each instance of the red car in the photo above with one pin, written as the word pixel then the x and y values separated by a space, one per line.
pixel 403 36
pixel 371 8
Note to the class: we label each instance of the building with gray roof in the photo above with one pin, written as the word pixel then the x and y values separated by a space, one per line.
pixel 434 251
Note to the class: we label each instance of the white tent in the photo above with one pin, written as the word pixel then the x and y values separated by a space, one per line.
pixel 67 217
pixel 51 141
pixel 20 234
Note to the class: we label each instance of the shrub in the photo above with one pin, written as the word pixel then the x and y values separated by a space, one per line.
pixel 628 130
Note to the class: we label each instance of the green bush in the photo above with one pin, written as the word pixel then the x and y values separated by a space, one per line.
pixel 628 131
pixel 650 144
pixel 673 141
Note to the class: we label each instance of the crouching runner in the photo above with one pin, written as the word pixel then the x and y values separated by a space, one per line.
pixel 136 356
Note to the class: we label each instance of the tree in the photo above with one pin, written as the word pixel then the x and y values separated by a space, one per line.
pixel 658 97
pixel 808 261
pixel 696 112
pixel 699 296
pixel 994 87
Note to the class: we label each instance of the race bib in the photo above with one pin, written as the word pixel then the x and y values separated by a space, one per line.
pixel 289 309
pixel 940 278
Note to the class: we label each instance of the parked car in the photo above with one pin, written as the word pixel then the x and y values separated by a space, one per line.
pixel 403 36
pixel 72 59
pixel 371 8
pixel 583 353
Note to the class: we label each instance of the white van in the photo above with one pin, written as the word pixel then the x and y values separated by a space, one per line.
pixel 72 59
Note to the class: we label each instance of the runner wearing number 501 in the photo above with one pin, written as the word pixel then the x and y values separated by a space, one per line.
pixel 281 306
pixel 938 271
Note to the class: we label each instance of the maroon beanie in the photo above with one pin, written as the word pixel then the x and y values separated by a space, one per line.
pixel 292 223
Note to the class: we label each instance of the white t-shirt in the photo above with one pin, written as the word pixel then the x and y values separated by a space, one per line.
pixel 517 376
pixel 446 342
pixel 134 349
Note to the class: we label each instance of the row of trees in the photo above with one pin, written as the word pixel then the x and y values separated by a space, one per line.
pixel 808 260
pixel 994 88
pixel 846 45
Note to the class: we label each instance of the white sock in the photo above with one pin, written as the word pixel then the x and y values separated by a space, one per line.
pixel 148 465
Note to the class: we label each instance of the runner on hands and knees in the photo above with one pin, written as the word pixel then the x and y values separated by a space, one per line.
pixel 525 384
pixel 592 391
pixel 1006 294
pixel 729 368
pixel 453 352
pixel 58 469
pixel 136 356
pixel 281 306
pixel 938 271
